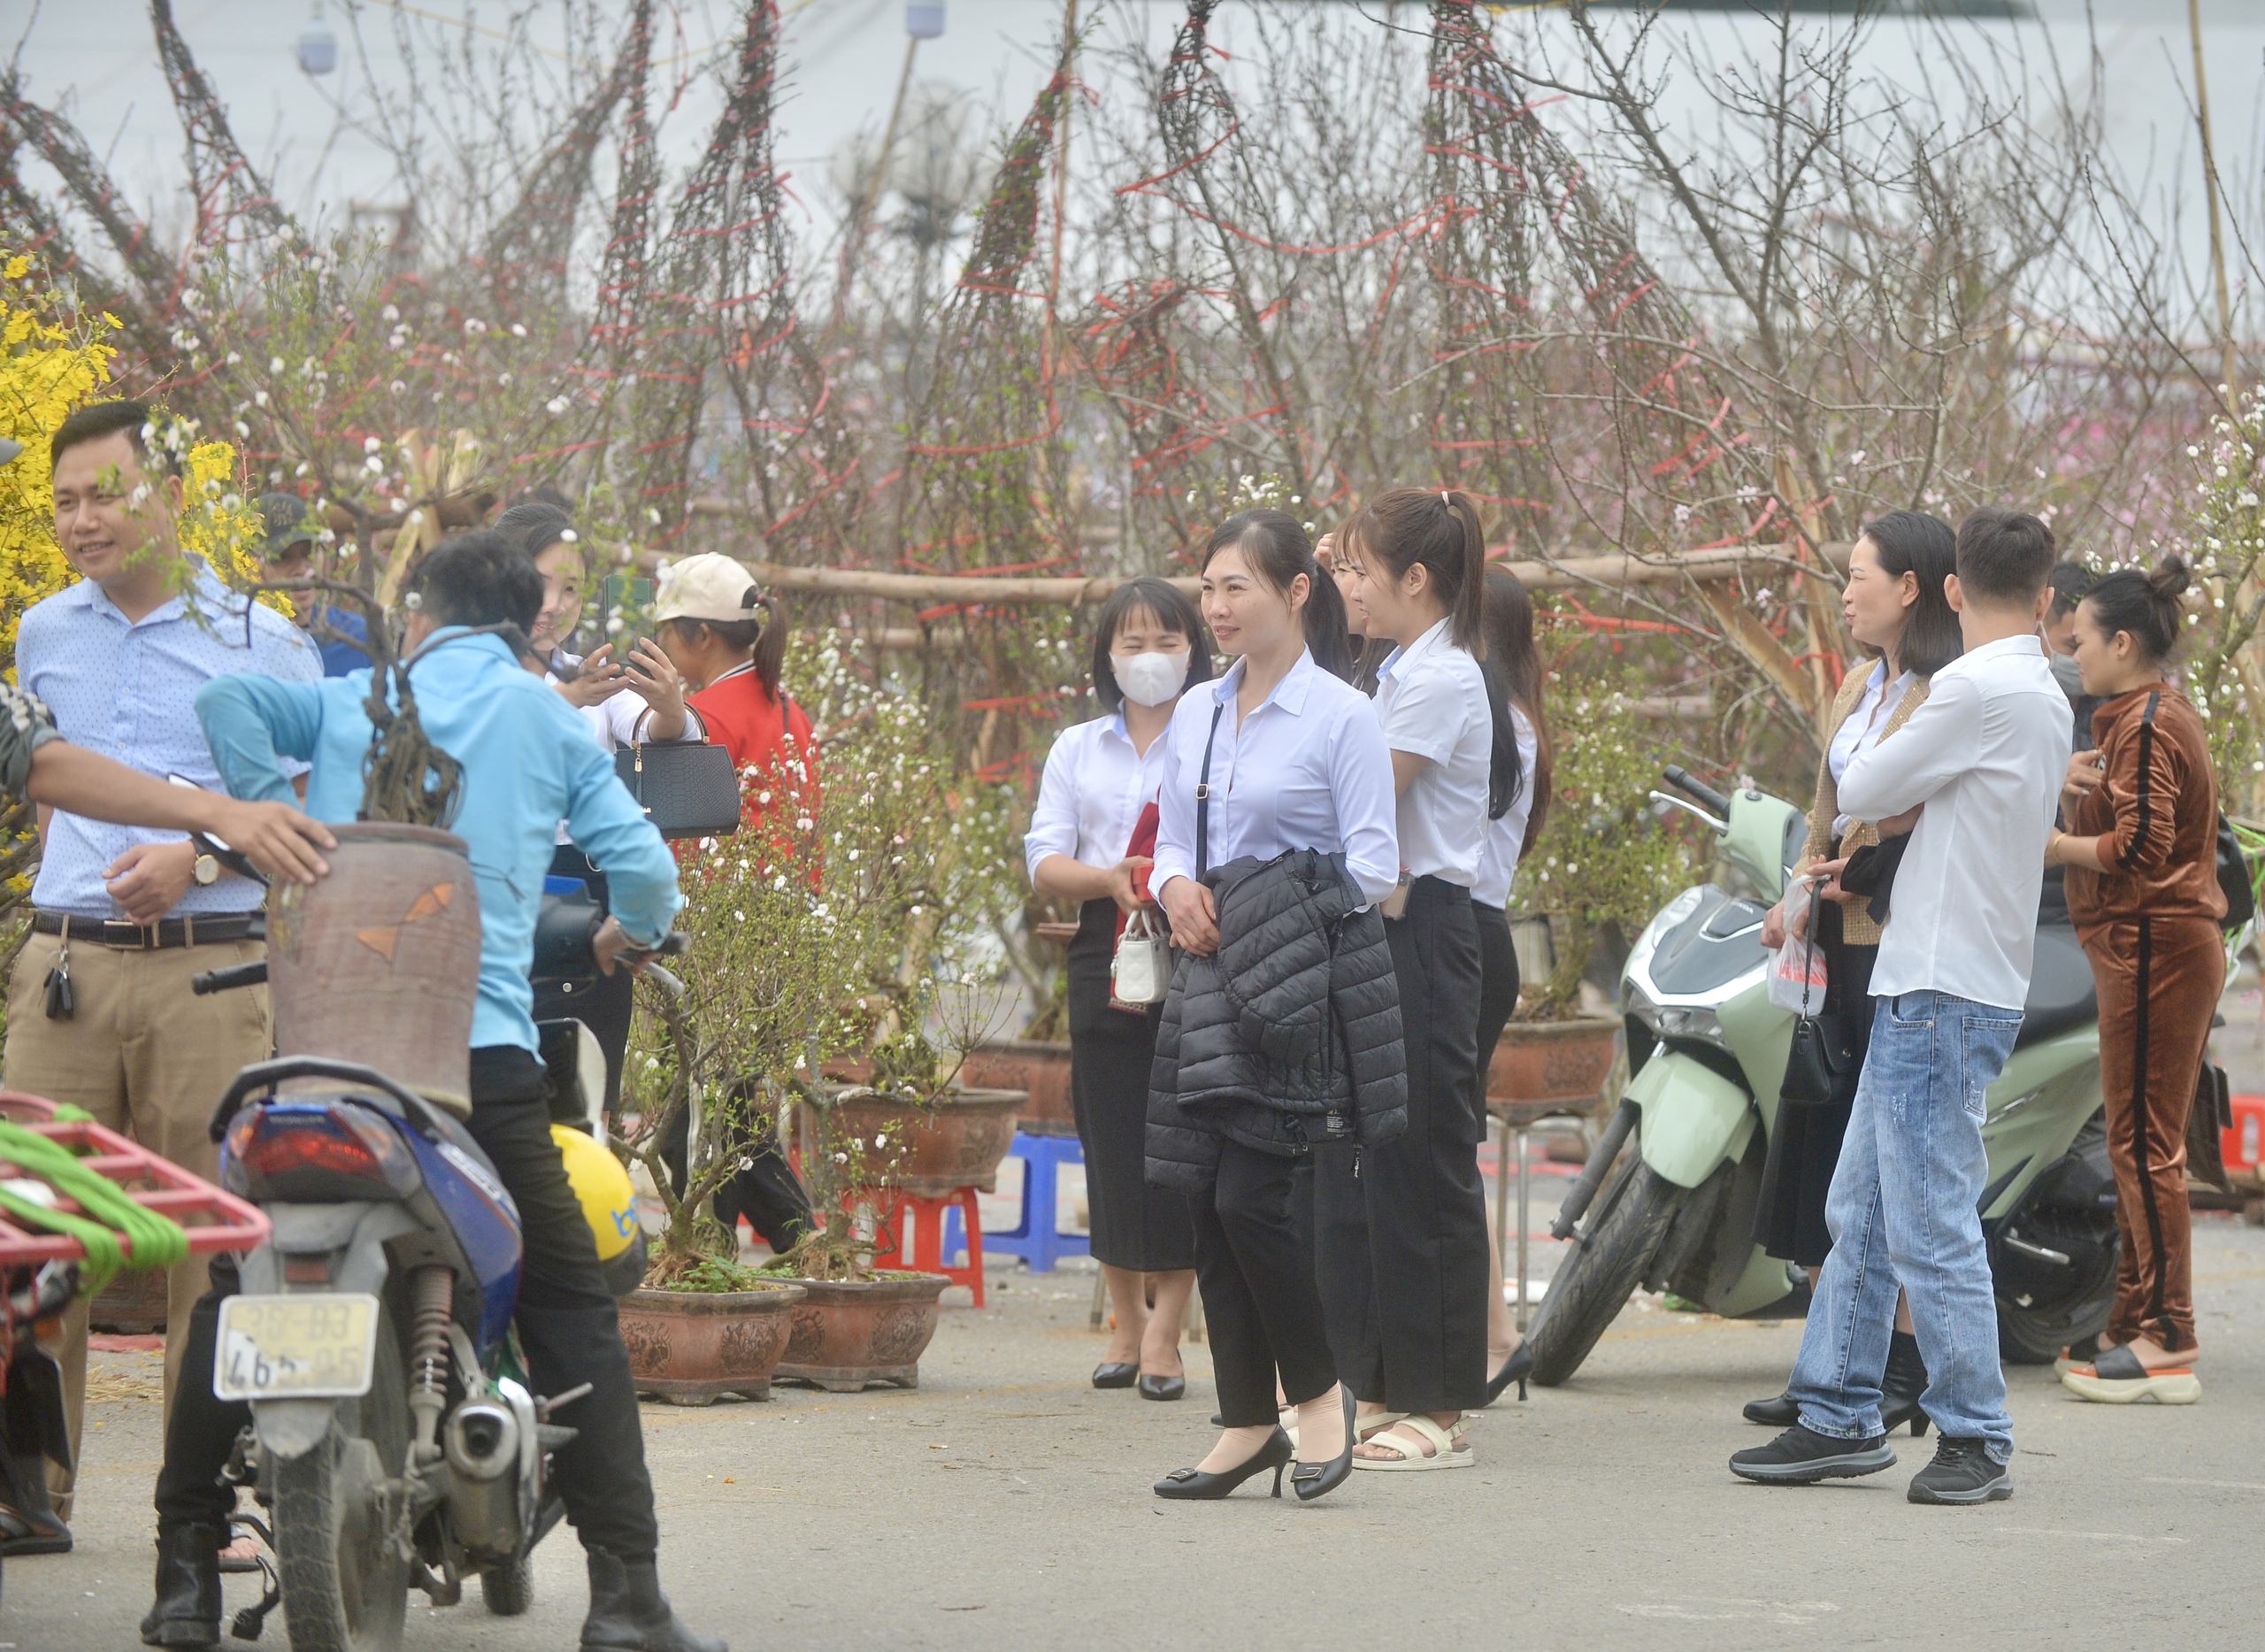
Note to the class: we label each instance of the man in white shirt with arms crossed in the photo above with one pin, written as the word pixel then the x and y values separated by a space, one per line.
pixel 1983 766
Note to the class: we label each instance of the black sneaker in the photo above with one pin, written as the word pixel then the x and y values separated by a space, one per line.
pixel 1962 1473
pixel 1801 1456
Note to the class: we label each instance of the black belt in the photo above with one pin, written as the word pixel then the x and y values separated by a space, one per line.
pixel 165 932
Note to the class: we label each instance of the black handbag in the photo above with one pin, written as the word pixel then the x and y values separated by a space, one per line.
pixel 687 788
pixel 2234 878
pixel 1817 1057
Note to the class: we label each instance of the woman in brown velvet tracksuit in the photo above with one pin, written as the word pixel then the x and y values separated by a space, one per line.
pixel 2143 889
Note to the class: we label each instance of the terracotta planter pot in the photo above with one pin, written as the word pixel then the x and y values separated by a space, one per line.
pixel 1039 1067
pixel 849 1333
pixel 688 1346
pixel 1554 1062
pixel 959 1144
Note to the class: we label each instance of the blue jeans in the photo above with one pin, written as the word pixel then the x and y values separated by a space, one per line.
pixel 1903 1210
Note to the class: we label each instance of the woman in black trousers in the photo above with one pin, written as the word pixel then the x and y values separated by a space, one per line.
pixel 1148 648
pixel 1515 678
pixel 1400 1229
pixel 1281 755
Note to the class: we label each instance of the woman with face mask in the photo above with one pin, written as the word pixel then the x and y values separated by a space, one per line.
pixel 1147 647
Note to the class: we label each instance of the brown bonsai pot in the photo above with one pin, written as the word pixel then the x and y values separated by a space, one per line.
pixel 958 1143
pixel 1554 1061
pixel 1039 1067
pixel 688 1346
pixel 848 1332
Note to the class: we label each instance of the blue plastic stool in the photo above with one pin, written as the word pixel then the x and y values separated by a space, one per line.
pixel 1036 1241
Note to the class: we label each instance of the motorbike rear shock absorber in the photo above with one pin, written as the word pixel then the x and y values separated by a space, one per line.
pixel 432 1304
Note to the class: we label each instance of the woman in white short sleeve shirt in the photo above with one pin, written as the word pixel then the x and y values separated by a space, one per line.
pixel 1400 1232
pixel 1148 646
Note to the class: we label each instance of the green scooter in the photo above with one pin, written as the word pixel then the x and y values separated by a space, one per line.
pixel 1706 1053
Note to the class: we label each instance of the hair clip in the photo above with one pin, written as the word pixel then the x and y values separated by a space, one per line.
pixel 566 537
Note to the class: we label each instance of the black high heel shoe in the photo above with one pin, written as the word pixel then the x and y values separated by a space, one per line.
pixel 1901 1386
pixel 1516 1368
pixel 1118 1376
pixel 1194 1486
pixel 1162 1388
pixel 1311 1480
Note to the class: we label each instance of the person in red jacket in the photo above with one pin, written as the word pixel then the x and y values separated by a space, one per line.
pixel 728 642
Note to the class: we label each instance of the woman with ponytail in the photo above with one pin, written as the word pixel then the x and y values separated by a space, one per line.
pixel 1520 781
pixel 2141 851
pixel 1400 1229
pixel 1276 814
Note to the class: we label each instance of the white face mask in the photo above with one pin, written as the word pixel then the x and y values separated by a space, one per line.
pixel 1149 678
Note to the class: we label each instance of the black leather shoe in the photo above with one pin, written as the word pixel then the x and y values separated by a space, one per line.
pixel 1162 1387
pixel 1801 1456
pixel 1901 1384
pixel 1312 1481
pixel 628 1612
pixel 1194 1486
pixel 187 1612
pixel 1116 1375
pixel 1778 1413
pixel 1516 1368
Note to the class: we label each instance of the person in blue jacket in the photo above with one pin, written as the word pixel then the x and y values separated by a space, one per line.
pixel 528 763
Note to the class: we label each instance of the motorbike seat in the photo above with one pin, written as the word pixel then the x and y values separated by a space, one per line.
pixel 2060 991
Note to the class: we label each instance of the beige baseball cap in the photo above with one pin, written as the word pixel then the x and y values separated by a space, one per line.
pixel 707 587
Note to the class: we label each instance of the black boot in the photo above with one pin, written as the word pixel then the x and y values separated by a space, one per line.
pixel 187 1609
pixel 1901 1386
pixel 628 1612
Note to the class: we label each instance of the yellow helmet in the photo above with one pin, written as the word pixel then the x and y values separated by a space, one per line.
pixel 609 1204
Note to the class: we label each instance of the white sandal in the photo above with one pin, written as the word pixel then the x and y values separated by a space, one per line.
pixel 1444 1454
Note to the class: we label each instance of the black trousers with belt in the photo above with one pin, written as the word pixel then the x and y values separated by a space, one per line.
pixel 567 1328
pixel 1261 1306
pixel 1401 1229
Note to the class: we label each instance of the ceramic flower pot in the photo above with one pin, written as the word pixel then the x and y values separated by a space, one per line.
pixel 848 1332
pixel 1552 1067
pixel 958 1143
pixel 688 1346
pixel 1040 1068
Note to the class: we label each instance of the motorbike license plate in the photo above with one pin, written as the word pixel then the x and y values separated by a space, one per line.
pixel 296 1347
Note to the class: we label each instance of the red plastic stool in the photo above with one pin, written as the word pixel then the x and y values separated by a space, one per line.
pixel 926 1233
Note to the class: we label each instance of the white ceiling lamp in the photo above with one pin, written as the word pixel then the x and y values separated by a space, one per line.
pixel 317 47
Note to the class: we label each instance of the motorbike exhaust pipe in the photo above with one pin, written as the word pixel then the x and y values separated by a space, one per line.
pixel 482 1442
pixel 1582 1191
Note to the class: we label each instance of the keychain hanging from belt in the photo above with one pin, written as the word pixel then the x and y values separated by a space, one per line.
pixel 61 1005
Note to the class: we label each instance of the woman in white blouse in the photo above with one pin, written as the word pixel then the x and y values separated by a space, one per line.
pixel 1401 1232
pixel 1515 676
pixel 1295 760
pixel 1148 648
pixel 1896 611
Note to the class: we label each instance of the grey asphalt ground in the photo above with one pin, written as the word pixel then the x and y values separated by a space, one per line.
pixel 1006 1503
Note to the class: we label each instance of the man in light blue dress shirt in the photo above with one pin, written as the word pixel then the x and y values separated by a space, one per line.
pixel 100 1013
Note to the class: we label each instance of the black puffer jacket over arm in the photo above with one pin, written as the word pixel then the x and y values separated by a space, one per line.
pixel 1288 1037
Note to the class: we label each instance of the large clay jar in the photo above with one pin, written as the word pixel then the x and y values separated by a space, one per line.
pixel 958 1141
pixel 379 963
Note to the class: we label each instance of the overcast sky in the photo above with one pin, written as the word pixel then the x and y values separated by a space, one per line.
pixel 843 58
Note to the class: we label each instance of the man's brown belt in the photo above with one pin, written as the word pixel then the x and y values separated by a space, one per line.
pixel 167 931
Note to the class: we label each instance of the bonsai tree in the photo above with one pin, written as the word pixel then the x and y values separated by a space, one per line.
pixel 817 942
pixel 1603 858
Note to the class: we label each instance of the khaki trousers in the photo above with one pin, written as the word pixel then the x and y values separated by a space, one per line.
pixel 150 1059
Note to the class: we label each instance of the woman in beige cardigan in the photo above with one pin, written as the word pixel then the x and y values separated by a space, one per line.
pixel 1895 608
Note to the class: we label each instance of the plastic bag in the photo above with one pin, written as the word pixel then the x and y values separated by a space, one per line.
pixel 1797 973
